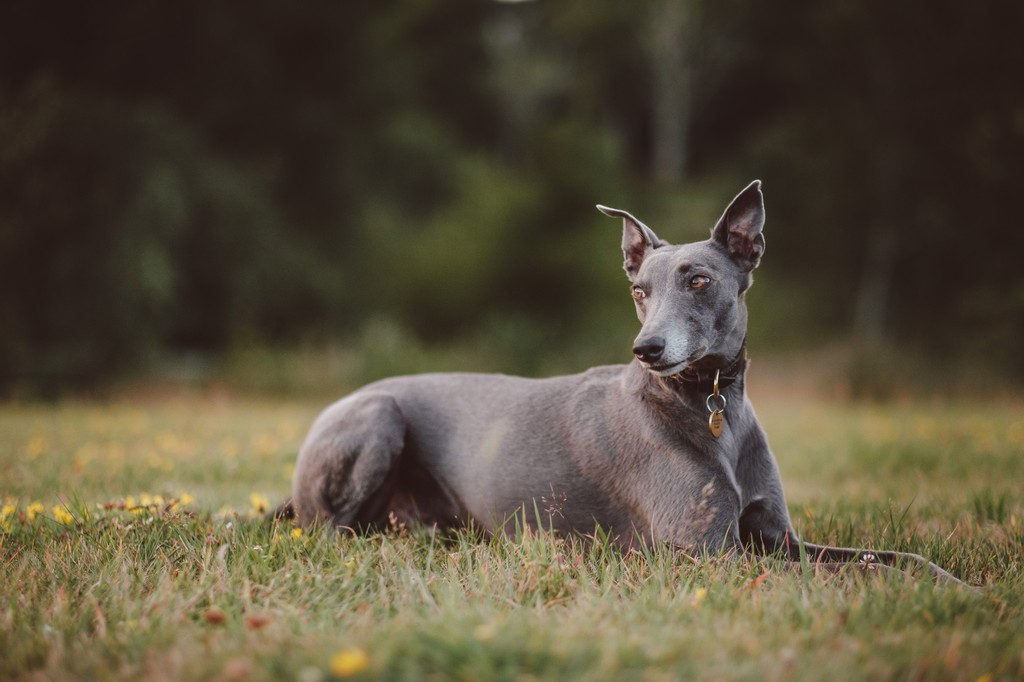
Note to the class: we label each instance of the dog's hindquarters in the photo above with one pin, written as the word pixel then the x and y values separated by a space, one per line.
pixel 346 470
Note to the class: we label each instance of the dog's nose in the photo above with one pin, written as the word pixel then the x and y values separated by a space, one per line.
pixel 649 350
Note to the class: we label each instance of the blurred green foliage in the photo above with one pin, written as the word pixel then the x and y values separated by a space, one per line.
pixel 206 177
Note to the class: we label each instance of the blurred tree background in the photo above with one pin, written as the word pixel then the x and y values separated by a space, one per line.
pixel 196 178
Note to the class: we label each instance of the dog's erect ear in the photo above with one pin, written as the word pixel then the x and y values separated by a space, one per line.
pixel 739 228
pixel 638 240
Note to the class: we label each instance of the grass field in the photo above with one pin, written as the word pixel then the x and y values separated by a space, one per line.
pixel 131 548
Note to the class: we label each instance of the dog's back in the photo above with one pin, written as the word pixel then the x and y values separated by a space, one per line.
pixel 484 447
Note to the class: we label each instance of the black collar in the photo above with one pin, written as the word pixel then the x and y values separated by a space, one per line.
pixel 702 378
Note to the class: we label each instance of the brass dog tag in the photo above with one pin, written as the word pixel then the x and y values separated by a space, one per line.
pixel 715 423
pixel 716 406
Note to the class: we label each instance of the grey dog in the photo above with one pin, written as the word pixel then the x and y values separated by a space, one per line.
pixel 665 449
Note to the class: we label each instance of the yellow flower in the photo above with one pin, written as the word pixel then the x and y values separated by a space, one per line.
pixel 35 446
pixel 296 533
pixel 183 500
pixel 135 506
pixel 260 504
pixel 349 662
pixel 34 510
pixel 485 631
pixel 6 512
pixel 62 515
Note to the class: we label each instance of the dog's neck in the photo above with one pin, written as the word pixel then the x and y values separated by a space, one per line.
pixel 700 376
pixel 689 390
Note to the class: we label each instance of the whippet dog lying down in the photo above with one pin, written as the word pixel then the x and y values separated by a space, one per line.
pixel 665 449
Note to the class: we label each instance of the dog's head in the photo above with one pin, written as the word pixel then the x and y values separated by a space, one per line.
pixel 689 297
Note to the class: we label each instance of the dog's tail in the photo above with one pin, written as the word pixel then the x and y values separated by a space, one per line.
pixel 284 511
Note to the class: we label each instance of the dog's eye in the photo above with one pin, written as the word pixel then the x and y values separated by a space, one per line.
pixel 639 294
pixel 699 281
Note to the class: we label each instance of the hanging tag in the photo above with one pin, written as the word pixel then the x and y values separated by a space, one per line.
pixel 715 423
pixel 716 406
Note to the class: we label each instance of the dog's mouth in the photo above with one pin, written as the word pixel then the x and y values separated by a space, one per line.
pixel 671 369
pixel 667 370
